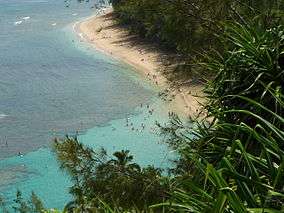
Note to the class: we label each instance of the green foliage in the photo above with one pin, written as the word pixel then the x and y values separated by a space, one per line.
pixel 250 68
pixel 2 205
pixel 235 160
pixel 116 181
pixel 189 26
pixel 52 211
pixel 34 205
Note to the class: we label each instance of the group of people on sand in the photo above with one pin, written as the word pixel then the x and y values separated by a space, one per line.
pixel 153 77
pixel 150 111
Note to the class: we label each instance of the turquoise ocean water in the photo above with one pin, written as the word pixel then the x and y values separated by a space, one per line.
pixel 51 84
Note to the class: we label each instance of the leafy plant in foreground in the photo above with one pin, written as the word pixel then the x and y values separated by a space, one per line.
pixel 235 161
pixel 116 181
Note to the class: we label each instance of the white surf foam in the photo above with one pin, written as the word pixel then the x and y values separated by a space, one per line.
pixel 26 18
pixel 18 22
pixel 3 115
pixel 81 35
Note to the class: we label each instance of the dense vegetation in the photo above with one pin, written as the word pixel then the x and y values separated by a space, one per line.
pixel 189 27
pixel 230 161
pixel 117 180
pixel 235 163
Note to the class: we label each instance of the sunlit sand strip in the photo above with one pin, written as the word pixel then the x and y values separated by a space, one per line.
pixel 108 37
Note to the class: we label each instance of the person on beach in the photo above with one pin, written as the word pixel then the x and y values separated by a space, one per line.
pixel 6 142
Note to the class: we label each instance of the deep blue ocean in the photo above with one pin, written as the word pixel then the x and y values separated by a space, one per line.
pixel 51 84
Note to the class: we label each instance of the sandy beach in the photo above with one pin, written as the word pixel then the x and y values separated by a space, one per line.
pixel 107 36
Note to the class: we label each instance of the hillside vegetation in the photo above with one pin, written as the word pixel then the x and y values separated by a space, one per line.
pixel 191 28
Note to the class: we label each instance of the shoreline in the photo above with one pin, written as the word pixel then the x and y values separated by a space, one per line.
pixel 105 35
